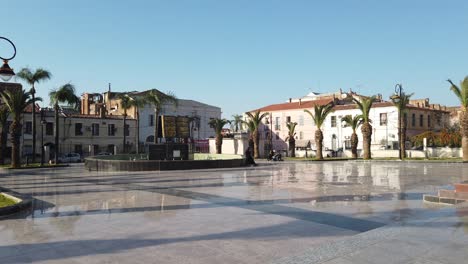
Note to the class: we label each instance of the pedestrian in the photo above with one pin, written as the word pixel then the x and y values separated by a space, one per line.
pixel 249 158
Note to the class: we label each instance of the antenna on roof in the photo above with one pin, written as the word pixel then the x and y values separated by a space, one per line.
pixel 109 87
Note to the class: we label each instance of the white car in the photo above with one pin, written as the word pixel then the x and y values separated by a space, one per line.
pixel 69 158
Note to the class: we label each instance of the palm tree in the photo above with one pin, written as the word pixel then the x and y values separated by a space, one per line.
pixel 462 93
pixel 63 94
pixel 217 124
pixel 158 99
pixel 127 102
pixel 291 140
pixel 237 122
pixel 365 106
pixel 401 103
pixel 32 78
pixel 320 114
pixel 354 123
pixel 16 101
pixel 250 127
pixel 3 133
pixel 256 119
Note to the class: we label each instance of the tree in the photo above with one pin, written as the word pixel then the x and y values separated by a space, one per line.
pixel 32 78
pixel 3 132
pixel 320 114
pixel 354 123
pixel 365 106
pixel 462 93
pixel 250 127
pixel 16 101
pixel 291 140
pixel 237 122
pixel 158 99
pixel 217 124
pixel 63 94
pixel 127 102
pixel 401 103
pixel 256 119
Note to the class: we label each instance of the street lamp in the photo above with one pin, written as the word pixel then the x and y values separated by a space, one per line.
pixel 5 71
pixel 269 121
pixel 43 122
pixel 396 97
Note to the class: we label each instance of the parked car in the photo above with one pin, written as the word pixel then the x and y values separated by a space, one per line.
pixel 104 154
pixel 69 158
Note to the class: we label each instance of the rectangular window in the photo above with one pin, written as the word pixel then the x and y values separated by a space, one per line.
pixel 151 120
pixel 95 129
pixel 277 123
pixel 28 127
pixel 429 121
pixel 413 120
pixel 301 120
pixel 333 121
pixel 421 120
pixel 111 130
pixel 49 129
pixel 288 119
pixel 127 130
pixel 78 129
pixel 383 119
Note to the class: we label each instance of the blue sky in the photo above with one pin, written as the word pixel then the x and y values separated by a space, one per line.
pixel 241 55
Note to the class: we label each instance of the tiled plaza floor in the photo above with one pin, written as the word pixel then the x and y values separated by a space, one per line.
pixel 276 212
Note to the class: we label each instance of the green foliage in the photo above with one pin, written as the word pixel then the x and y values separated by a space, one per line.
pixel 365 106
pixel 157 99
pixel 291 130
pixel 461 92
pixel 64 94
pixel 217 124
pixel 237 122
pixel 33 77
pixel 320 113
pixel 353 122
pixel 450 137
pixel 256 119
pixel 127 102
pixel 16 101
pixel 402 102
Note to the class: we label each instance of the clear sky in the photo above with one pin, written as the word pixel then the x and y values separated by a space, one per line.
pixel 243 54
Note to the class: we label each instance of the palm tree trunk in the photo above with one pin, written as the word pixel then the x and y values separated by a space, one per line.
pixel 156 125
pixel 354 144
pixel 15 141
pixel 256 141
pixel 3 143
pixel 292 147
pixel 318 143
pixel 219 143
pixel 464 130
pixel 56 133
pixel 137 132
pixel 33 123
pixel 366 130
pixel 124 133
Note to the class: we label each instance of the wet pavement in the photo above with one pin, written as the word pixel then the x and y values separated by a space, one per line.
pixel 302 212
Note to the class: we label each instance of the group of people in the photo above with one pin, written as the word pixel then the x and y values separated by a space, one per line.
pixel 249 160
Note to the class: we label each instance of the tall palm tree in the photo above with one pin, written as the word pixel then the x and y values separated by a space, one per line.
pixel 237 122
pixel 401 103
pixel 354 123
pixel 250 127
pixel 16 101
pixel 4 113
pixel 32 78
pixel 63 94
pixel 127 102
pixel 462 93
pixel 320 114
pixel 256 119
pixel 365 106
pixel 291 140
pixel 217 124
pixel 158 99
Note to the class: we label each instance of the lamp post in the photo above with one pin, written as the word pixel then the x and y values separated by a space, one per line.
pixel 396 97
pixel 269 121
pixel 43 122
pixel 5 71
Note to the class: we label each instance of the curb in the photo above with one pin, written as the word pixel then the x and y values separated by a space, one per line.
pixel 25 203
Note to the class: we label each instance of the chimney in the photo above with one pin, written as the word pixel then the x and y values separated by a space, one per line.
pixel 290 100
pixel 300 101
pixel 109 87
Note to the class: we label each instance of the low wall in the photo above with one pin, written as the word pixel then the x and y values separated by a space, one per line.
pixel 210 162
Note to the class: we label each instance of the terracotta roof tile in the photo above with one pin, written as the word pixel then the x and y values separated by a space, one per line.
pixel 293 105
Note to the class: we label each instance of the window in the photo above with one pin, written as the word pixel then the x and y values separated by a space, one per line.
pixel 111 130
pixel 301 135
pixel 151 120
pixel 28 128
pixel 78 129
pixel 383 119
pixel 301 120
pixel 413 120
pixel 277 123
pixel 429 121
pixel 49 129
pixel 127 130
pixel 421 120
pixel 288 119
pixel 95 129
pixel 333 121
